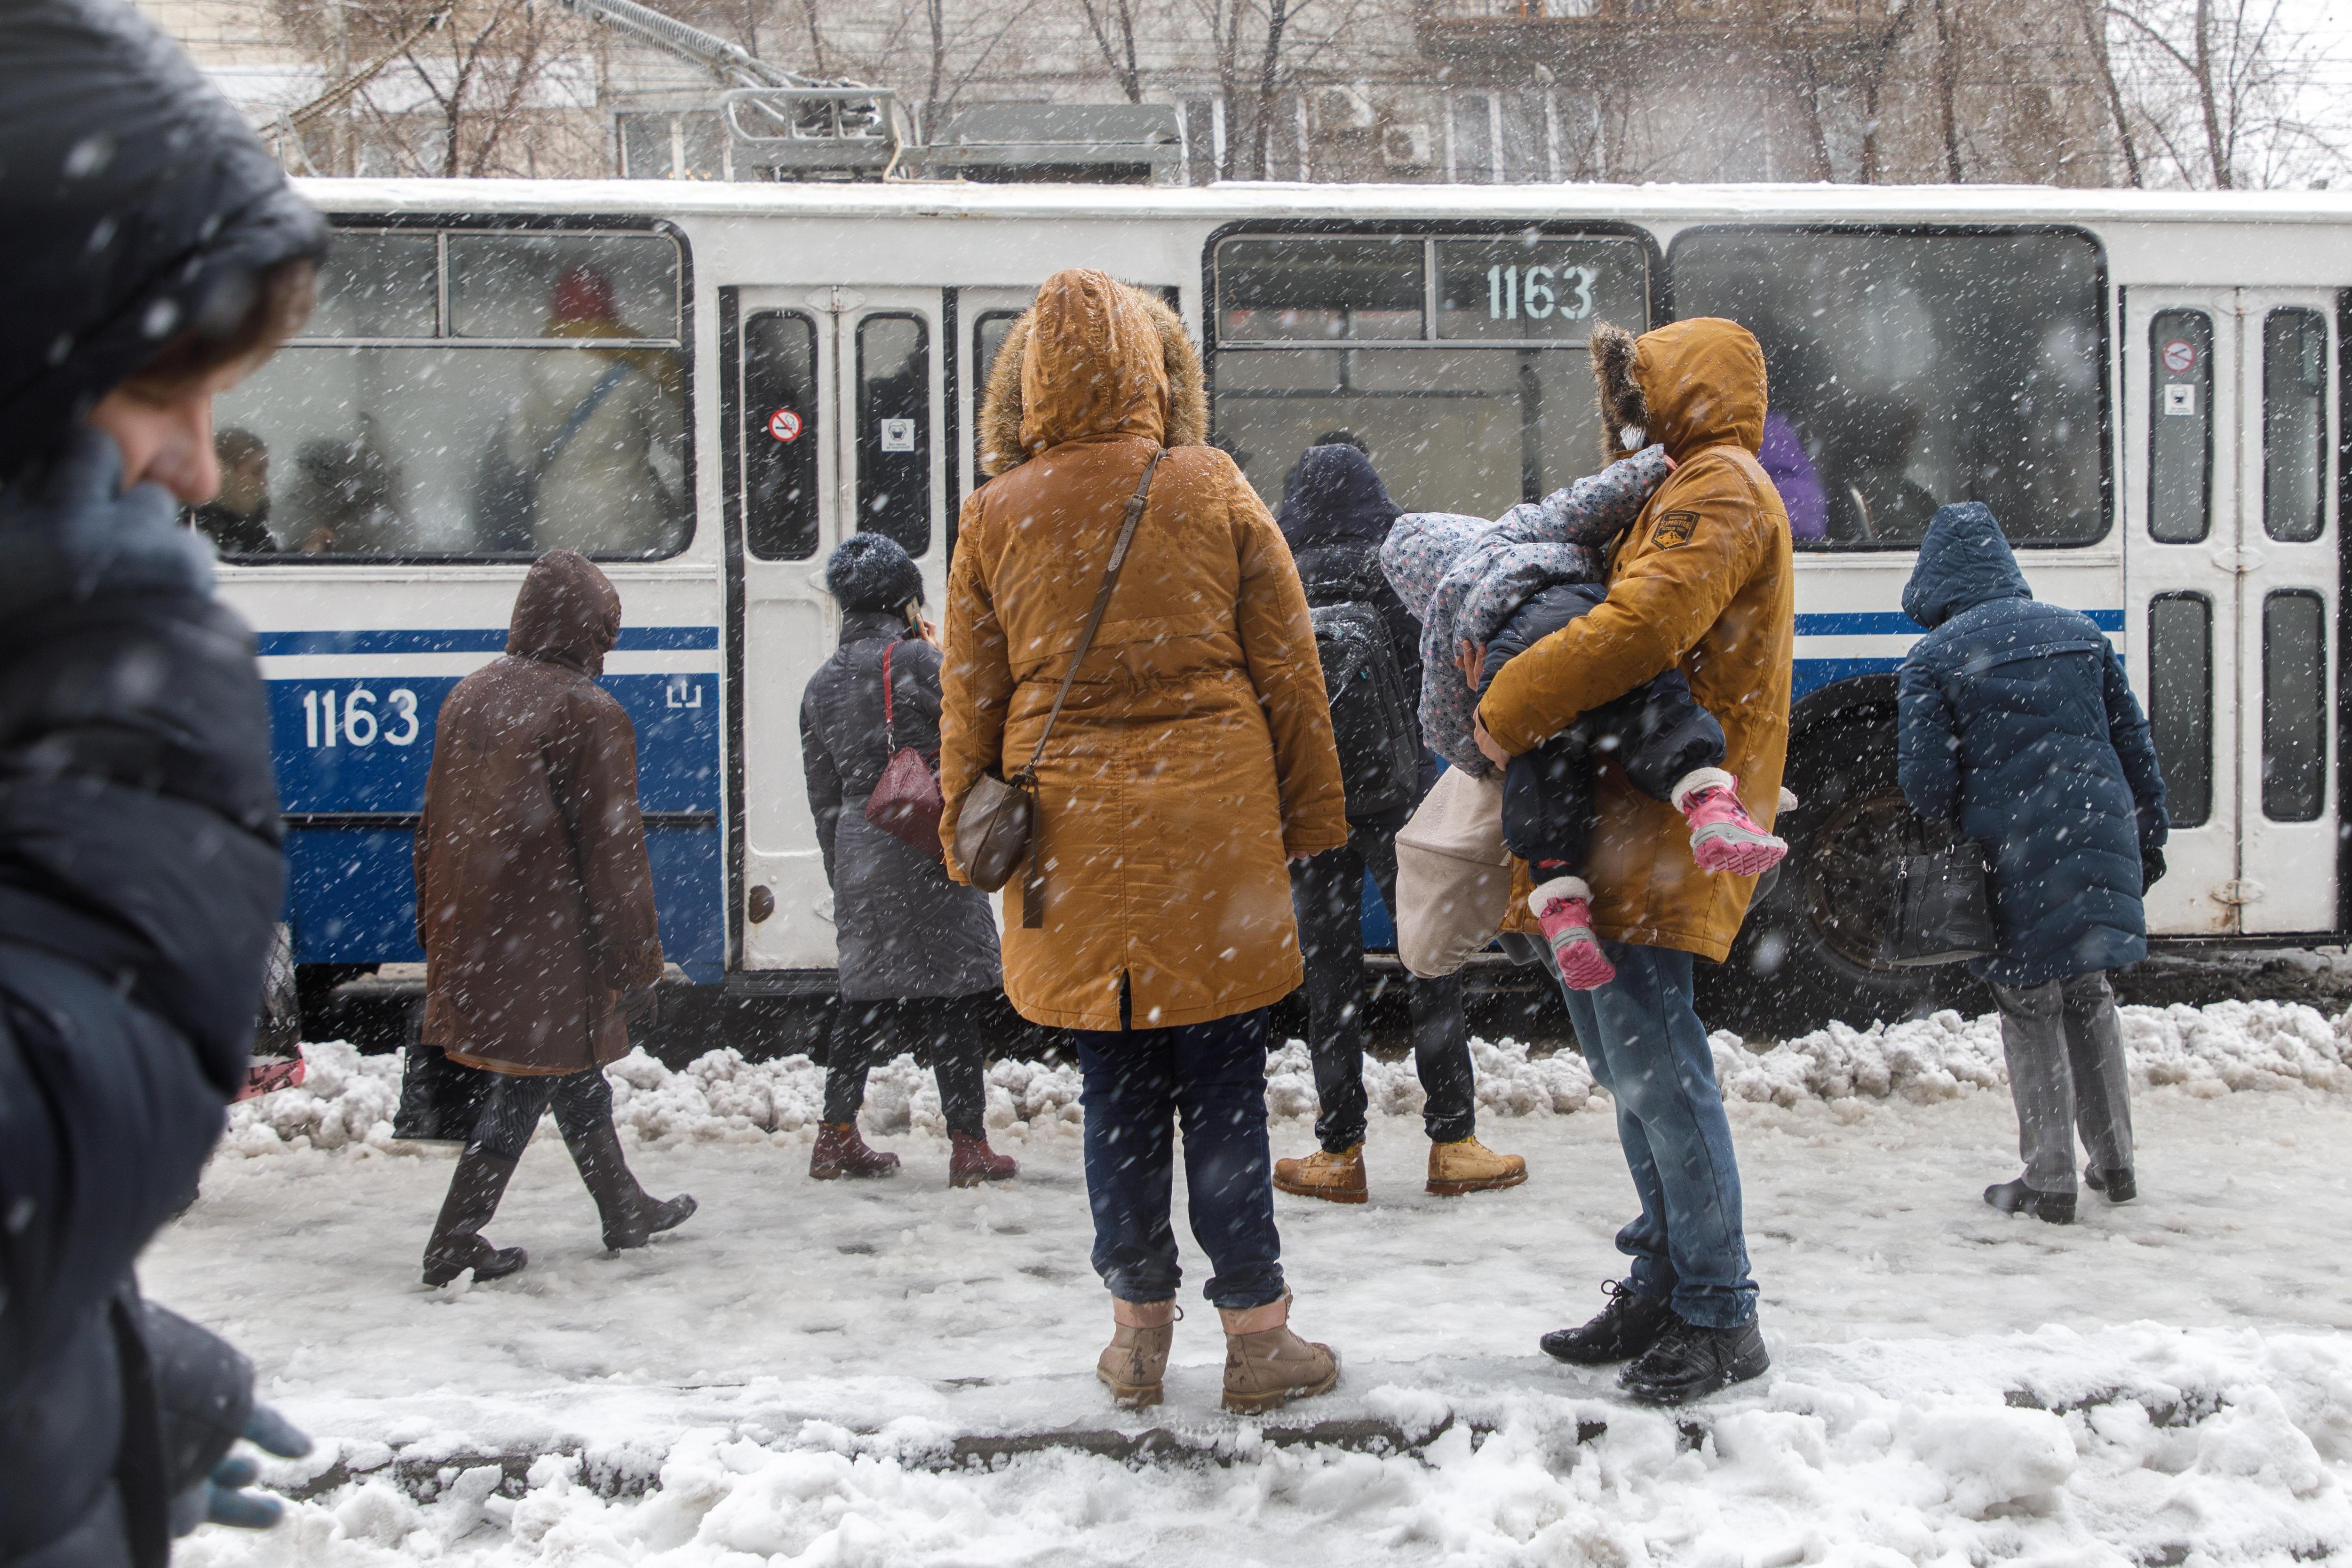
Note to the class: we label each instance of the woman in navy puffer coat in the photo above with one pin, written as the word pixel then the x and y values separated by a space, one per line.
pixel 2018 728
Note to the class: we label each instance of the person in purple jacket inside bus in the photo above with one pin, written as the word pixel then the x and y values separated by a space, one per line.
pixel 1783 456
pixel 1793 381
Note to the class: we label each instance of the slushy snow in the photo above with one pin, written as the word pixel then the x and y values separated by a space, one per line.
pixel 896 1373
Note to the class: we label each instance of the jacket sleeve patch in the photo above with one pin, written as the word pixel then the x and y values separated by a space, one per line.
pixel 1672 527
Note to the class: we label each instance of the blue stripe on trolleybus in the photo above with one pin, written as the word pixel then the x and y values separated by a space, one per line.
pixel 1892 632
pixel 351 721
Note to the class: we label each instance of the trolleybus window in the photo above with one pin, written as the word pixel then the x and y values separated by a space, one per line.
pixel 2294 700
pixel 989 333
pixel 475 395
pixel 780 436
pixel 894 429
pixel 1458 361
pixel 2294 425
pixel 2180 702
pixel 2180 427
pixel 1909 370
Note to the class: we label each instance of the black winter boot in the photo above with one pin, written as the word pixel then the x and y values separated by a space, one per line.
pixel 630 1217
pixel 2016 1197
pixel 1688 1362
pixel 1629 1325
pixel 475 1189
pixel 2119 1185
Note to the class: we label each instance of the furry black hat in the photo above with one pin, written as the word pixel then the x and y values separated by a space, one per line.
pixel 872 572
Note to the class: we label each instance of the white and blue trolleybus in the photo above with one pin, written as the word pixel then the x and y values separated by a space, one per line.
pixel 706 386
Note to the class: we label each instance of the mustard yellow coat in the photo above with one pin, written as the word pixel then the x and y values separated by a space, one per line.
pixel 1195 752
pixel 1703 581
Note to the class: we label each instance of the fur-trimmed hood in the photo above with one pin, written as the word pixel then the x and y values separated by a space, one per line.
pixel 1184 414
pixel 1688 386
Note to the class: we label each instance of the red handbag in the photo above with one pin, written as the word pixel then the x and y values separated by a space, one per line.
pixel 906 803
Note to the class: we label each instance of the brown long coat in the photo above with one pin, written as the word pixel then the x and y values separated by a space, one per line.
pixel 534 903
pixel 1703 581
pixel 1196 748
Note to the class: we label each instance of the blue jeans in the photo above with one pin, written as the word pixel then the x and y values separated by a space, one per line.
pixel 1139 1084
pixel 1642 1039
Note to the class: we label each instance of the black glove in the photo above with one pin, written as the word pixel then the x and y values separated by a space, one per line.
pixel 2151 867
pixel 221 1498
pixel 204 1392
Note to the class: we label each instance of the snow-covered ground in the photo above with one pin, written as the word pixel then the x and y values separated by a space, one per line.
pixel 898 1374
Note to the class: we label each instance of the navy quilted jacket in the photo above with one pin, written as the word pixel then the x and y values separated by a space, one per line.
pixel 2018 725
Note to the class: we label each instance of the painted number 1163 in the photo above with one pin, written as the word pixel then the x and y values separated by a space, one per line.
pixel 351 717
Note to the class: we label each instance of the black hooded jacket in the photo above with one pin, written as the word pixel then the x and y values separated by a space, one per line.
pixel 1335 516
pixel 140 868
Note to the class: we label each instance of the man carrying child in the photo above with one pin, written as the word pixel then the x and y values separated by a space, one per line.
pixel 1702 582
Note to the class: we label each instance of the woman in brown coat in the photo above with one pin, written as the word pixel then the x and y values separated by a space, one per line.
pixel 535 909
pixel 1193 759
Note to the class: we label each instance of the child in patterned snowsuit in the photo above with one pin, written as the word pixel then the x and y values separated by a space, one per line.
pixel 1486 592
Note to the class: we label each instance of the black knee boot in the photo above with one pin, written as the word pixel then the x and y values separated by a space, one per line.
pixel 630 1217
pixel 479 1182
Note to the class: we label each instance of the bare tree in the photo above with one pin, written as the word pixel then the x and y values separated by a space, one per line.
pixel 465 87
pixel 1112 24
pixel 2219 88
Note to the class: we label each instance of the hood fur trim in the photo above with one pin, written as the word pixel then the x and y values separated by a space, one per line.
pixel 1000 408
pixel 1622 402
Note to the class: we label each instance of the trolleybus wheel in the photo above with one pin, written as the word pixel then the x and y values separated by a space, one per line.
pixel 1807 952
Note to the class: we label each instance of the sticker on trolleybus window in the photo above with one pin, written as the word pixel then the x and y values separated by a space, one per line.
pixel 2180 354
pixel 898 434
pixel 785 424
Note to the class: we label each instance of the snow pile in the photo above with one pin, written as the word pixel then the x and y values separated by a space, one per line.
pixel 2136 1445
pixel 1512 1081
pixel 2226 1047
pixel 2219 1048
pixel 722 1095
pixel 344 1099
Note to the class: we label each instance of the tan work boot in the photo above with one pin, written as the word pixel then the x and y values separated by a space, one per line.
pixel 1467 1165
pixel 1267 1366
pixel 1334 1178
pixel 1137 1357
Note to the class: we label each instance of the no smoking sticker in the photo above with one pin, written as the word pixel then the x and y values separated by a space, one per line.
pixel 785 424
pixel 2180 354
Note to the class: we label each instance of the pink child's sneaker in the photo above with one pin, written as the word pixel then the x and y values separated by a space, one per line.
pixel 1724 838
pixel 1563 908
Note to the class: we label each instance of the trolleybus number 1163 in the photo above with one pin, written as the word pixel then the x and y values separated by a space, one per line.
pixel 357 724
pixel 1538 289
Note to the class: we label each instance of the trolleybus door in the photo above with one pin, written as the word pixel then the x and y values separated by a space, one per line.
pixel 840 421
pixel 2232 576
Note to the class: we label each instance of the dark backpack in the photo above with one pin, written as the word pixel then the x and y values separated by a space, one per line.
pixel 1371 712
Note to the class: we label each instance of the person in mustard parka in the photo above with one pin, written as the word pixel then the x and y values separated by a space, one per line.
pixel 1193 762
pixel 1702 582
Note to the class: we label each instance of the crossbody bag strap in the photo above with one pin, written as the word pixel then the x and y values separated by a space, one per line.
pixel 1102 602
pixel 889 740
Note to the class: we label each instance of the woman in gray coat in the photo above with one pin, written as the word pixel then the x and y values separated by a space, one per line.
pixel 917 951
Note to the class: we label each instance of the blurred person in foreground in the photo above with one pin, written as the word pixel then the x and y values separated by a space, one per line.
pixel 535 909
pixel 156 256
pixel 2018 728
pixel 1193 759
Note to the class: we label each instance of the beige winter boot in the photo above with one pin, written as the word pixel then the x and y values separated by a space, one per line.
pixel 1334 1178
pixel 1467 1165
pixel 1267 1366
pixel 1137 1357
